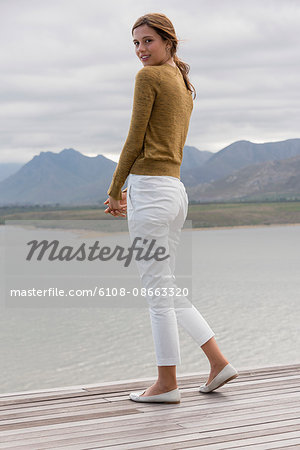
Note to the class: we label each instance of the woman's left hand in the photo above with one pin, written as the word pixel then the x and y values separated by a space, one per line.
pixel 116 207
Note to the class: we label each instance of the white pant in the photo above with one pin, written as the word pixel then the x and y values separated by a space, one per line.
pixel 156 209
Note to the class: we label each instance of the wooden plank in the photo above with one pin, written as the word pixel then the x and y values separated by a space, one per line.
pixel 32 411
pixel 260 407
pixel 187 394
pixel 182 439
pixel 281 439
pixel 60 419
pixel 38 397
pixel 84 436
pixel 200 380
pixel 156 430
pixel 208 420
pixel 189 431
pixel 242 377
pixel 42 391
pixel 145 411
pixel 288 443
pixel 121 387
pixel 206 423
pixel 106 405
pixel 109 409
pixel 224 401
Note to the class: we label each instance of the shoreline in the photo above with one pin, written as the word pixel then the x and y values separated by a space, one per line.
pixel 93 233
pixel 226 227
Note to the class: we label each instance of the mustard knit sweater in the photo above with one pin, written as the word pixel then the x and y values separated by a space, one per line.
pixel 162 106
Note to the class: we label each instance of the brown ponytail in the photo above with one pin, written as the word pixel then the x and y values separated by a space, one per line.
pixel 164 27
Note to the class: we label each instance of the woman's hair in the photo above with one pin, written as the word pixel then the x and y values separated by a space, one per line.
pixel 164 27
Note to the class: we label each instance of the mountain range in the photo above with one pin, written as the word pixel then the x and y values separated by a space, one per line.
pixel 273 180
pixel 242 171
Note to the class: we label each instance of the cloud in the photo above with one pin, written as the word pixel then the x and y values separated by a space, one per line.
pixel 67 72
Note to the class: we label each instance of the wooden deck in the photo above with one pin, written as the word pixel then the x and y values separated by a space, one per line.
pixel 259 409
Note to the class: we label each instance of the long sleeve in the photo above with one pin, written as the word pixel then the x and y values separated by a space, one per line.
pixel 146 87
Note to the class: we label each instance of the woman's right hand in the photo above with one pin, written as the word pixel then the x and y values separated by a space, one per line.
pixel 123 203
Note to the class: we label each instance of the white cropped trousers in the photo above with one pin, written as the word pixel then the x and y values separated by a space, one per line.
pixel 156 209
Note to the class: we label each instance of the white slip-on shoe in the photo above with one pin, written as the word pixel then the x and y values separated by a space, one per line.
pixel 167 397
pixel 227 373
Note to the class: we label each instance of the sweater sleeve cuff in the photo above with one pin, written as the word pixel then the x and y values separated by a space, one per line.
pixel 115 193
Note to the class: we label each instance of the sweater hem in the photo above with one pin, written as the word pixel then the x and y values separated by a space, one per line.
pixel 158 167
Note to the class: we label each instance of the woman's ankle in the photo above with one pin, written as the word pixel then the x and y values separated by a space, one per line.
pixel 167 386
pixel 216 365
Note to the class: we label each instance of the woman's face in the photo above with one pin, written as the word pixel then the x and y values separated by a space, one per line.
pixel 149 43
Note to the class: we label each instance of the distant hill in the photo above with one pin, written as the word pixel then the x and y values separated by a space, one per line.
pixel 271 180
pixel 7 169
pixel 67 177
pixel 192 159
pixel 241 154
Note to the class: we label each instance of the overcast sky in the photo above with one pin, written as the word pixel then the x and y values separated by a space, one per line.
pixel 67 71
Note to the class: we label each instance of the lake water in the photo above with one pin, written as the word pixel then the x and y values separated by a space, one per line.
pixel 247 285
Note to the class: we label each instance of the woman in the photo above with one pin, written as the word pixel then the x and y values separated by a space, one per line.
pixel 157 201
